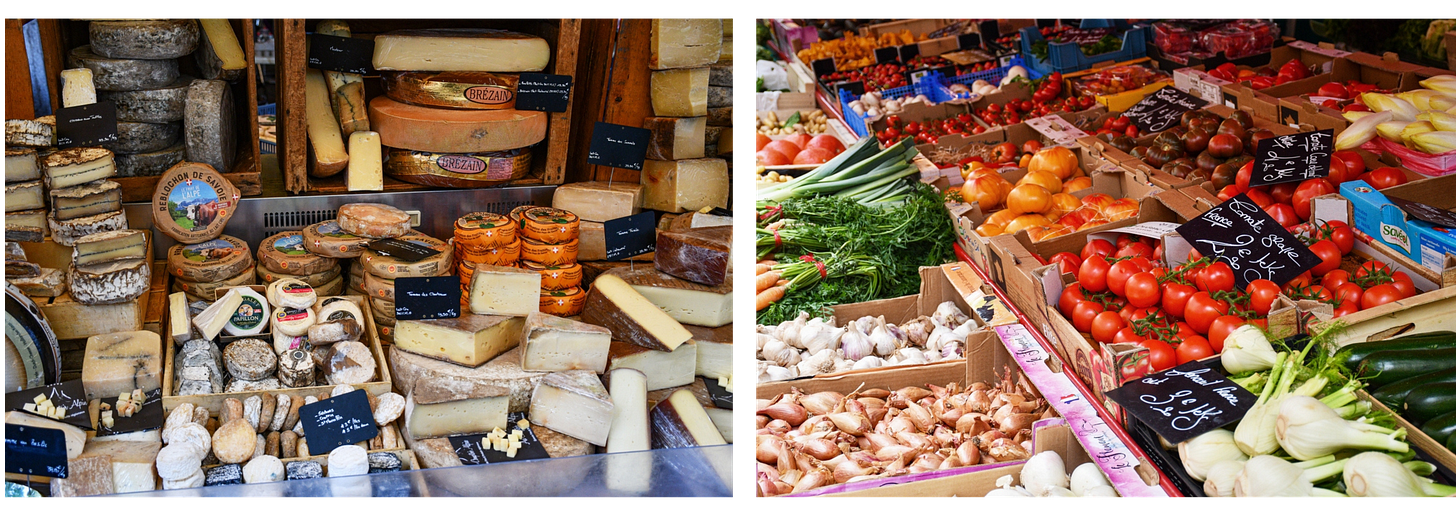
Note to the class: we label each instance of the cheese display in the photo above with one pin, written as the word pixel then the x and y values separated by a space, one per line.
pixel 65 232
pixel 46 283
pixel 440 407
pixel 77 88
pixel 702 255
pixel 460 50
pixel 373 220
pixel 24 196
pixel 556 277
pixel 613 303
pixel 122 362
pixel 160 105
pixel 131 463
pixel 193 203
pixel 143 39
pixel 212 319
pixel 549 225
pixel 87 476
pixel 210 127
pixel 551 343
pixel 685 185
pixel 564 303
pixel 85 200
pixel 484 229
pixel 327 238
pixel 26 226
pixel 77 166
pixel 207 291
pixel 598 201
pixel 431 129
pixel 21 164
pixel 219 55
pixel 685 43
pixel 498 290
pixel 574 403
pixel 680 421
pixel 680 93
pixel 393 267
pixel 143 137
pixel 33 133
pixel 546 253
pixel 462 90
pixel 346 89
pixel 150 163
pixel 629 433
pixel 685 301
pixel 470 340
pixel 458 170
pixel 109 283
pixel 209 261
pixel 366 168
pixel 122 74
pixel 715 350
pixel 503 371
pixel 326 142
pixel 284 253
pixel 675 138
pixel 664 369
pixel 123 244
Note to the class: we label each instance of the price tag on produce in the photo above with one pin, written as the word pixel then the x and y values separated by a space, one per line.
pixel 908 52
pixel 427 298
pixel 630 236
pixel 35 451
pixel 1425 212
pixel 1184 402
pixel 64 402
pixel 1293 157
pixel 86 126
pixel 1162 109
pixel 476 449
pixel 339 54
pixel 147 418
pixel 543 92
pixel 618 146
pixel 1250 241
pixel 887 55
pixel 337 421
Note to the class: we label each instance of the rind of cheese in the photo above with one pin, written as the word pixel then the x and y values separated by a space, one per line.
pixel 325 139
pixel 613 303
pixel 551 343
pixel 456 417
pixel 285 255
pixel 219 55
pixel 78 165
pixel 48 283
pixel 504 371
pixel 124 74
pixel 210 127
pixel 680 422
pixel 675 138
pixel 629 432
pixel 131 463
pixel 680 93
pixel 720 117
pixel 496 290
pixel 207 291
pixel 696 219
pixel 21 164
pixel 180 318
pixel 85 200
pixel 328 239
pixel 598 201
pixel 664 369
pixel 715 350
pixel 683 43
pixel 392 267
pixel 143 39
pixel 211 261
pixel 198 195
pixel 549 225
pixel 150 163
pixel 212 319
pixel 460 90
pixel 686 302
pixel 574 403
pixel 109 283
pixel 143 137
pixel 484 229
pixel 720 96
pixel 25 196
pixel 366 167
pixel 165 104
pixel 122 244
pixel 723 420
pixel 40 132
pixel 75 437
pixel 85 476
pixel 26 226
pixel 685 185
pixel 720 74
pixel 429 129
pixel 702 255
pixel 460 50
pixel 374 220
pixel 122 362
pixel 470 340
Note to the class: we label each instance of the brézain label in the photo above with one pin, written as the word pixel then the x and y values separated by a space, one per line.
pixel 1184 402
pixel 630 236
pixel 435 297
pixel 337 421
pixel 86 126
pixel 1291 158
pixel 1162 109
pixel 1254 245
pixel 618 146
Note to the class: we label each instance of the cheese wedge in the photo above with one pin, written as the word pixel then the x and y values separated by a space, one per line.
pixel 551 343
pixel 680 422
pixel 77 88
pixel 664 369
pixel 324 138
pixel 21 164
pixel 715 350
pixel 574 403
pixel 504 291
pixel 439 407
pixel 685 185
pixel 685 301
pixel 598 201
pixel 470 340
pixel 366 170
pixel 121 244
pixel 613 304
pixel 630 472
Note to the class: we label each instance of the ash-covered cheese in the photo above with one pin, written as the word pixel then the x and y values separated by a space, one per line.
pixel 152 163
pixel 219 55
pixel 31 133
pixel 122 362
pixel 86 476
pixel 108 283
pixel 250 359
pixel 66 232
pixel 164 104
pixel 302 470
pixel 124 74
pixel 21 164
pixel 226 474
pixel 143 39
pixel 85 200
pixel 139 137
pixel 199 369
pixel 383 462
pixel 210 127
pixel 296 368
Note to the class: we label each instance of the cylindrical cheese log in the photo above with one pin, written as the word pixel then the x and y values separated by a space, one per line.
pixel 445 130
pixel 124 74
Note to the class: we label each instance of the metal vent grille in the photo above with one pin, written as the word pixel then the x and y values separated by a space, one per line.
pixel 277 222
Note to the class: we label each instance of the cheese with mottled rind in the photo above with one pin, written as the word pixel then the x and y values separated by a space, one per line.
pixel 77 89
pixel 109 283
pixel 122 244
pixel 664 369
pixel 167 103
pixel 143 137
pixel 393 267
pixel 684 185
pixel 613 303
pixel 503 371
pixel 598 201
pixel 78 165
pixel 26 226
pixel 124 74
pixel 210 126
pixel 65 232
pixel 574 403
pixel 685 301
pixel 470 340
pixel 131 463
pixel 454 130
pixel 85 200
pixel 143 39
pixel 702 255
pixel 374 220
pixel 284 254
pixel 551 343
pixel 122 362
pixel 328 239
pixel 210 261
pixel 24 196
pixel 460 50
pixel 683 43
pixel 48 283
pixel 437 407
pixel 681 93
pixel 150 163
pixel 85 476
pixel 21 164
pixel 675 138
pixel 219 55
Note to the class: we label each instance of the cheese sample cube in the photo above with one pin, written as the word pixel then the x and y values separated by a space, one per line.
pixel 121 244
pixel 324 138
pixel 684 185
pixel 469 340
pixel 85 476
pixel 675 138
pixel 21 164
pixel 702 255
pixel 75 437
pixel 366 168
pixel 78 165
pixel 598 201
pixel 85 200
pixel 715 350
pixel 613 304
pixel 460 50
pixel 122 362
pixel 25 196
pixel 77 88
pixel 685 301
pixel 439 407
pixel 685 43
pixel 682 93
pixel 551 343
pixel 574 403
pixel 680 422
pixel 131 463
pixel 498 290
pixel 664 369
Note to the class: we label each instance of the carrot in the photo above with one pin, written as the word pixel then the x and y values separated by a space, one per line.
pixel 766 280
pixel 781 283
pixel 769 296
pixel 762 268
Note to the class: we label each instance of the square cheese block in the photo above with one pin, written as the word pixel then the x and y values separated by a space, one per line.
pixel 180 319
pixel 496 290
pixel 702 255
pixel 684 185
pixel 613 304
pixel 132 468
pixel 21 164
pixel 78 165
pixel 682 93
pixel 592 243
pixel 715 350
pixel 85 200
pixel 438 407
pixel 685 43
pixel 469 340
pixel 366 166
pixel 503 371
pixel 685 301
pixel 77 88
pixel 85 476
pixel 675 138
pixel 574 403
pixel 109 246
pixel 29 196
pixel 122 362
pixel 598 201
pixel 551 343
pixel 664 369
pixel 75 437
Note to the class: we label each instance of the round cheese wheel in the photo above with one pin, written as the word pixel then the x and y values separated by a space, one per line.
pixel 234 442
pixel 548 254
pixel 393 267
pixel 251 317
pixel 250 359
pixel 327 238
pixel 333 287
pixel 374 220
pixel 460 170
pixel 351 362
pixel 334 308
pixel 208 290
pixel 563 303
pixel 403 126
pixel 549 225
pixel 461 90
pixel 484 229
pixel 165 104
pixel 382 305
pixel 293 322
pixel 210 261
pixel 499 255
pixel 295 369
pixel 556 277
pixel 144 39
pixel 266 276
pixel 518 213
pixel 123 74
pixel 348 460
pixel 376 286
pixel 193 202
pixel 284 252
pixel 291 293
pixel 263 469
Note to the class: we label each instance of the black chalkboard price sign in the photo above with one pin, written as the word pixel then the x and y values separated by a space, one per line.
pixel 1240 233
pixel 1425 212
pixel 887 55
pixel 543 92
pixel 1184 402
pixel 1294 157
pixel 475 449
pixel 427 298
pixel 86 126
pixel 720 396
pixel 630 236
pixel 69 396
pixel 337 421
pixel 334 53
pixel 35 451
pixel 1162 109
pixel 618 146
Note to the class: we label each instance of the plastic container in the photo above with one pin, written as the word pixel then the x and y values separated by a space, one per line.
pixel 1067 57
pixel 934 86
pixel 1177 36
pixel 1241 38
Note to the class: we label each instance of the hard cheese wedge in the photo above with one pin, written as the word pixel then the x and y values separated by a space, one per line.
pixel 120 362
pixel 685 185
pixel 504 290
pixel 324 137
pixel 86 476
pixel 598 201
pixel 441 407
pixel 680 422
pixel 613 303
pixel 685 301
pixel 685 42
pixel 75 437
pixel 122 244
pixel 131 463
pixel 681 93
pixel 77 89
pixel 702 255
pixel 460 50
pixel 469 340
pixel 85 200
pixel 675 138
pixel 715 350
pixel 366 168
pixel 21 164
pixel 574 403
pixel 503 371
pixel 664 369
pixel 551 343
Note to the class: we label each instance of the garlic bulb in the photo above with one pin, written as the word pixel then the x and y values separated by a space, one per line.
pixel 951 313
pixel 855 343
pixel 763 338
pixel 865 324
pixel 939 336
pixel 918 330
pixel 789 330
pixel 1202 452
pixel 776 374
pixel 952 351
pixel 869 363
pixel 897 333
pixel 880 337
pixel 815 335
pixel 1088 476
pixel 820 363
pixel 779 353
pixel 1044 471
pixel 909 353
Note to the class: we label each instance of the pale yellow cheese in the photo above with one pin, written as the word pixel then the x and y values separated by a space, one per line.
pixel 121 244
pixel 504 291
pixel 630 472
pixel 551 343
pixel 460 50
pixel 75 437
pixel 180 318
pixel 131 463
pixel 24 196
pixel 77 88
pixel 598 201
pixel 21 164
pixel 682 43
pixel 78 165
pixel 224 44
pixel 714 359
pixel 684 185
pixel 366 168
pixel 681 93
pixel 324 137
pixel 461 409
pixel 723 419
pixel 574 403
pixel 122 362
pixel 664 369
pixel 469 340
pixel 632 318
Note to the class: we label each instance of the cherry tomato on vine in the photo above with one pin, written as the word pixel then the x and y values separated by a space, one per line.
pixel 1160 354
pixel 1142 290
pixel 1093 273
pixel 1372 267
pixel 1334 279
pixel 1217 277
pixel 1126 334
pixel 1106 325
pixel 1262 294
pixel 1119 272
pixel 1341 235
pixel 1194 348
pixel 1347 308
pixel 1348 293
pixel 1136 249
pixel 1319 293
pixel 1329 255
pixel 1299 282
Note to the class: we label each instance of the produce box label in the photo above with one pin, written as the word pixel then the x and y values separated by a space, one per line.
pixel 1161 110
pixel 543 92
pixel 86 126
pixel 1154 229
pixel 427 298
pixel 1056 129
pixel 476 449
pixel 1294 157
pixel 1184 402
pixel 35 451
pixel 69 397
pixel 340 54
pixel 1250 241
pixel 618 146
pixel 337 421
pixel 630 236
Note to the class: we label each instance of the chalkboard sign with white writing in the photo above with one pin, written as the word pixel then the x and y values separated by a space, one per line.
pixel 403 250
pixel 339 54
pixel 1240 233
pixel 1162 109
pixel 1184 402
pixel 618 146
pixel 630 236
pixel 477 448
pixel 35 451
pixel 427 298
pixel 68 397
pixel 1293 157
pixel 543 92
pixel 86 126
pixel 721 397
pixel 337 421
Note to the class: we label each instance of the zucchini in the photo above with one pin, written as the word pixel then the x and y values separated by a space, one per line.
pixel 1451 443
pixel 1350 356
pixel 1386 367
pixel 1428 401
pixel 1442 428
pixel 1393 395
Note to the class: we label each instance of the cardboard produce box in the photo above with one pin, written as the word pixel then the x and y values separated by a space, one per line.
pixel 1264 103
pixel 1158 177
pixel 1387 72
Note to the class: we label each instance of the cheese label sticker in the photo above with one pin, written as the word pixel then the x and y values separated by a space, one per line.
pixel 297 289
pixel 489 95
pixel 461 164
pixel 210 251
pixel 250 314
pixel 500 168
pixel 332 229
pixel 194 204
pixel 291 314
pixel 488 220
pixel 290 245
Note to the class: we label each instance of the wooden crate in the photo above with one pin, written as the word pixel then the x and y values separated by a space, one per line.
pixel 71 319
pixel 548 166
pixel 58 37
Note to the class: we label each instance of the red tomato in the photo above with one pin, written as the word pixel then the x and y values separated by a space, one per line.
pixel 1329 255
pixel 1194 348
pixel 1334 279
pixel 1093 273
pixel 1126 312
pixel 1099 247
pixel 1260 197
pixel 1245 174
pixel 1118 274
pixel 1228 192
pixel 1069 299
pixel 1221 328
pixel 1347 308
pixel 1282 192
pixel 1184 330
pixel 1372 267
pixel 1142 290
pixel 1262 294
pixel 1066 262
pixel 1126 334
pixel 1175 298
pixel 1136 249
pixel 1341 235
pixel 1352 162
pixel 1217 277
pixel 1348 293
pixel 1106 325
pixel 1378 295
pixel 1202 310
pixel 1309 189
pixel 1319 293
pixel 1299 282
pixel 1282 213
pixel 1402 282
pixel 1386 177
pixel 1160 354
pixel 1124 239
pixel 1194 255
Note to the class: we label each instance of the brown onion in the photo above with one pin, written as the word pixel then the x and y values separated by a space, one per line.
pixel 761 421
pixel 968 453
pixel 978 402
pixel 820 402
pixel 893 452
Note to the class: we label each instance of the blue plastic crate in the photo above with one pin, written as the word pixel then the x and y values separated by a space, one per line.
pixel 268 109
pixel 1067 57
pixel 855 121
pixel 995 75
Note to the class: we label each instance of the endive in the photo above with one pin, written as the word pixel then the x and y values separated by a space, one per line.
pixel 1391 130
pixel 1443 121
pixel 1413 129
pixel 1402 109
pixel 1361 131
pixel 1307 428
pixel 1442 83
pixel 1267 475
pixel 1377 474
pixel 1434 142
pixel 1201 453
pixel 1246 349
pixel 1355 115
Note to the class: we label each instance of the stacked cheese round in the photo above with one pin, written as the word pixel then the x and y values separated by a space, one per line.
pixel 487 238
pixel 200 269
pixel 283 256
pixel 380 271
pixel 550 240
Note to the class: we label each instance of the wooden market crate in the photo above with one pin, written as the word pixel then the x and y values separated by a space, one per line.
pixel 548 160
pixel 58 37
pixel 71 319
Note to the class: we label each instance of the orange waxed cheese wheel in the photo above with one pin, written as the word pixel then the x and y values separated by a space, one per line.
pixel 429 129
pixel 563 303
pixel 548 254
pixel 550 225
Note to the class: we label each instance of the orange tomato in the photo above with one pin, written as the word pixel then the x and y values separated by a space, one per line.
pixel 988 230
pixel 1094 222
pixel 982 172
pixel 1029 198
pixel 1057 160
pixel 1025 160
pixel 988 191
pixel 1064 203
pixel 1025 221
pixel 1047 180
pixel 1121 209
pixel 1077 183
pixel 1039 233
pixel 1001 218
pixel 1098 201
